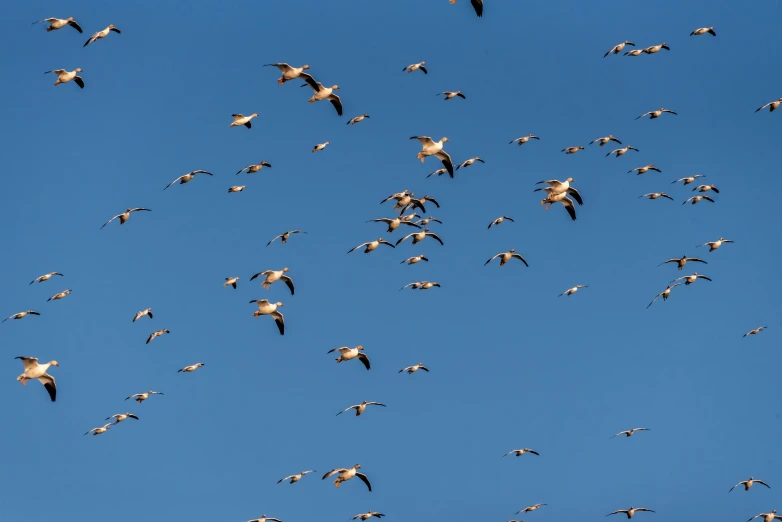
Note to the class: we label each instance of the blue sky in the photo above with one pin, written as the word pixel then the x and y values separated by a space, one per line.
pixel 512 365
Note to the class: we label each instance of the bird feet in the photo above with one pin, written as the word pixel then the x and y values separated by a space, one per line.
pixel 548 206
pixel 24 381
pixel 281 81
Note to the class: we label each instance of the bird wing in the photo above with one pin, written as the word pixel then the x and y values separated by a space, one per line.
pixel 28 362
pixel 279 320
pixel 446 160
pixel 576 195
pixel 478 6
pixel 365 480
pixel 333 472
pixel 518 256
pixel 112 219
pixel 358 246
pixel 336 102
pixel 492 259
pixel 348 408
pixel 310 81
pixel 364 359
pixel 288 282
pixel 435 236
pixel 275 237
pixel 283 67
pixel 425 141
pixel 48 383
pixel 402 239
pixel 180 177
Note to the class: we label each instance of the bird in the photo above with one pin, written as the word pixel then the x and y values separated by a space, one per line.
pixel 656 114
pixel 360 407
pixel 520 452
pixel 572 150
pixel 703 30
pixel 634 52
pixel 368 515
pixel 748 484
pixel 33 370
pixel 469 162
pixel 119 417
pixel 393 223
pixel 476 4
pixel 767 517
pixel 714 245
pixel 417 203
pixel 320 146
pixel 696 199
pixel 690 279
pixel 524 139
pixel 264 518
pixel 772 106
pixel 449 95
pixel 706 188
pixel 237 188
pixel 622 151
pixel 45 277
pixel 415 66
pixel 414 368
pixel 428 220
pixel 142 313
pixel 571 291
pixel 644 169
pixel 252 169
pixel 755 331
pixel 618 48
pixel 429 147
pixel 655 48
pixel 357 119
pixel 288 73
pixel 680 262
pixel 141 397
pixel 191 368
pixel 345 474
pixel 664 294
pixel 272 276
pixel 689 179
pixel 185 178
pixel 284 236
pixel 59 23
pixel 602 141
pixel 562 198
pixel 500 220
pixel 58 296
pixel 656 195
pixel 124 216
pixel 323 93
pixel 629 433
pixel 414 260
pixel 422 285
pixel 240 119
pixel 346 354
pixel 372 245
pixel 231 281
pixel 420 236
pixel 267 308
pixel 531 508
pixel 557 186
pixel 438 172
pixel 102 34
pixel 21 315
pixel 295 478
pixel 98 431
pixel 64 76
pixel 630 512
pixel 507 256
pixel 158 333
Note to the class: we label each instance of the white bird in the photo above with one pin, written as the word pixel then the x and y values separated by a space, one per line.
pixel 346 354
pixel 416 203
pixel 252 169
pixel 622 151
pixel 655 48
pixel 755 331
pixel 524 139
pixel 469 162
pixel 689 179
pixel 520 452
pixel 284 236
pixel 449 95
pixel 768 517
pixel 429 147
pixel 422 285
pixel 59 23
pixel 45 277
pixel 323 93
pixel 98 431
pixel 267 308
pixel 231 281
pixel 264 518
pixel 507 256
pixel 58 296
pixel 629 433
pixel 656 195
pixel 64 76
pixel 158 333
pixel 102 34
pixel 368 515
pixel 531 508
pixel 393 223
pixel 656 114
pixel 703 30
pixel 630 512
pixel 357 119
pixel 557 187
pixel 714 245
pixel 572 150
pixel 33 370
pixel 414 260
pixel 706 188
pixel 773 105
pixel 644 169
pixel 124 216
pixel 415 66
pixel 420 236
pixel 681 261
pixel 185 178
pixel 634 52
pixel 345 474
pixel 240 119
pixel 295 478
pixel 664 294
pixel 500 220
pixel 690 279
pixel 272 276
pixel 141 397
pixel 414 368
pixel 696 199
pixel 142 313
pixel 21 315
pixel 571 291
pixel 191 368
pixel 237 188
pixel 562 198
pixel 748 484
pixel 602 141
pixel 438 172
pixel 360 407
pixel 618 48
pixel 371 245
pixel 119 417
pixel 288 73
pixel 320 146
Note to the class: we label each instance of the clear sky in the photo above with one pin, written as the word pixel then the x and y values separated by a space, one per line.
pixel 512 365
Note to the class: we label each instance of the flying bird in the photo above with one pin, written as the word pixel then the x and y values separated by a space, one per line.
pixel 393 223
pixel 714 245
pixel 561 197
pixel 634 52
pixel 272 276
pixel 372 245
pixel 706 188
pixel 524 139
pixel 267 308
pixel 449 95
pixel 142 313
pixel 357 119
pixel 507 256
pixel 231 281
pixel 438 172
pixel 323 93
pixel 237 188
pixel 703 30
pixel 124 216
pixel 45 277
pixel 656 114
pixel 101 34
pixel 345 474
pixel 630 512
pixel 748 484
pixel 571 291
pixel 618 48
pixel 430 147
pixel 469 162
pixel 141 397
pixel 420 236
pixel 664 294
pixel 360 407
pixel 33 370
pixel 690 279
pixel 98 431
pixel 680 262
pixel 656 195
pixel 772 106
pixel 696 199
pixel 295 478
pixel 572 150
pixel 64 76
pixel 755 331
pixel 240 119
pixel 422 285
pixel 191 368
pixel 602 141
pixel 414 368
pixel 415 66
pixel 158 333
pixel 185 178
pixel 629 433
pixel 767 517
pixel 622 151
pixel 320 146
pixel 520 452
pixel 531 508
pixel 368 515
pixel 252 169
pixel 288 73
pixel 284 236
pixel 21 315
pixel 414 260
pixel 644 169
pixel 689 179
pixel 59 23
pixel 119 417
pixel 656 48
pixel 58 296
pixel 500 220
pixel 346 354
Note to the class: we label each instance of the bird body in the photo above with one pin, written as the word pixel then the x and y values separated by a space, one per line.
pixel 416 66
pixel 414 368
pixel 102 34
pixel 252 169
pixel 360 407
pixel 272 276
pixel 240 119
pixel 158 333
pixel 34 370
pixel 58 296
pixel 191 368
pixel 618 48
pixel 141 397
pixel 288 73
pixel 345 474
pixel 185 178
pixel 449 95
pixel 297 477
pixel 507 256
pixel 64 76
pixel 267 308
pixel 703 30
pixel 59 23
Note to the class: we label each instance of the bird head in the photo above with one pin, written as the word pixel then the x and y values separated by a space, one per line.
pixel 357 466
pixel 445 139
pixel 305 66
pixel 278 304
pixel 570 180
pixel 512 250
pixel 53 363
pixel 359 347
pixel 335 87
pixel 286 269
pixel 254 115
pixel 78 69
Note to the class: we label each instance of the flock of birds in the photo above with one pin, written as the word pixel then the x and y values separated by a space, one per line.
pixel 406 206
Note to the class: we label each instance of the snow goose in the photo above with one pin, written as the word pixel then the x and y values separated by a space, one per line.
pixel 124 216
pixel 420 236
pixel 656 114
pixel 563 199
pixel 531 508
pixel 59 23
pixel 368 515
pixel 555 193
pixel 421 285
pixel 320 146
pixel 393 223
pixel 500 220
pixel 469 162
pixel 45 277
pixel 119 417
pixel 295 478
pixel 414 260
pixel 191 368
pixel 476 4
pixel 772 106
pixel 272 276
pixel 64 76
pixel 102 34
pixel 714 245
pixel 267 308
pixel 605 139
pixel 288 73
pixel 438 172
pixel 252 169
pixel 622 151
pixel 240 119
pixel 681 261
pixel 419 203
pixel 572 150
pixel 142 313
pixel 141 397
pixel 285 235
pixel 345 474
pixel 507 256
pixel 409 217
pixel 414 368
pixel 696 199
pixel 629 433
pixel 33 370
pixel 185 178
pixel 449 95
pixel 98 431
pixel 656 48
pixel 748 484
pixel 158 333
pixel 58 296
pixel 630 512
pixel 371 245
pixel 706 188
pixel 556 185
pixel 360 407
pixel 346 354
pixel 689 179
pixel 21 315
pixel 755 331
pixel 405 196
pixel 357 119
pixel 415 66
pixel 429 147
pixel 571 291
pixel 664 294
pixel 323 93
pixel 703 30
pixel 264 518
pixel 618 48
pixel 231 281
pixel 520 452
pixel 656 195
pixel 524 139
pixel 767 517
pixel 237 188
pixel 643 170
pixel 634 52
